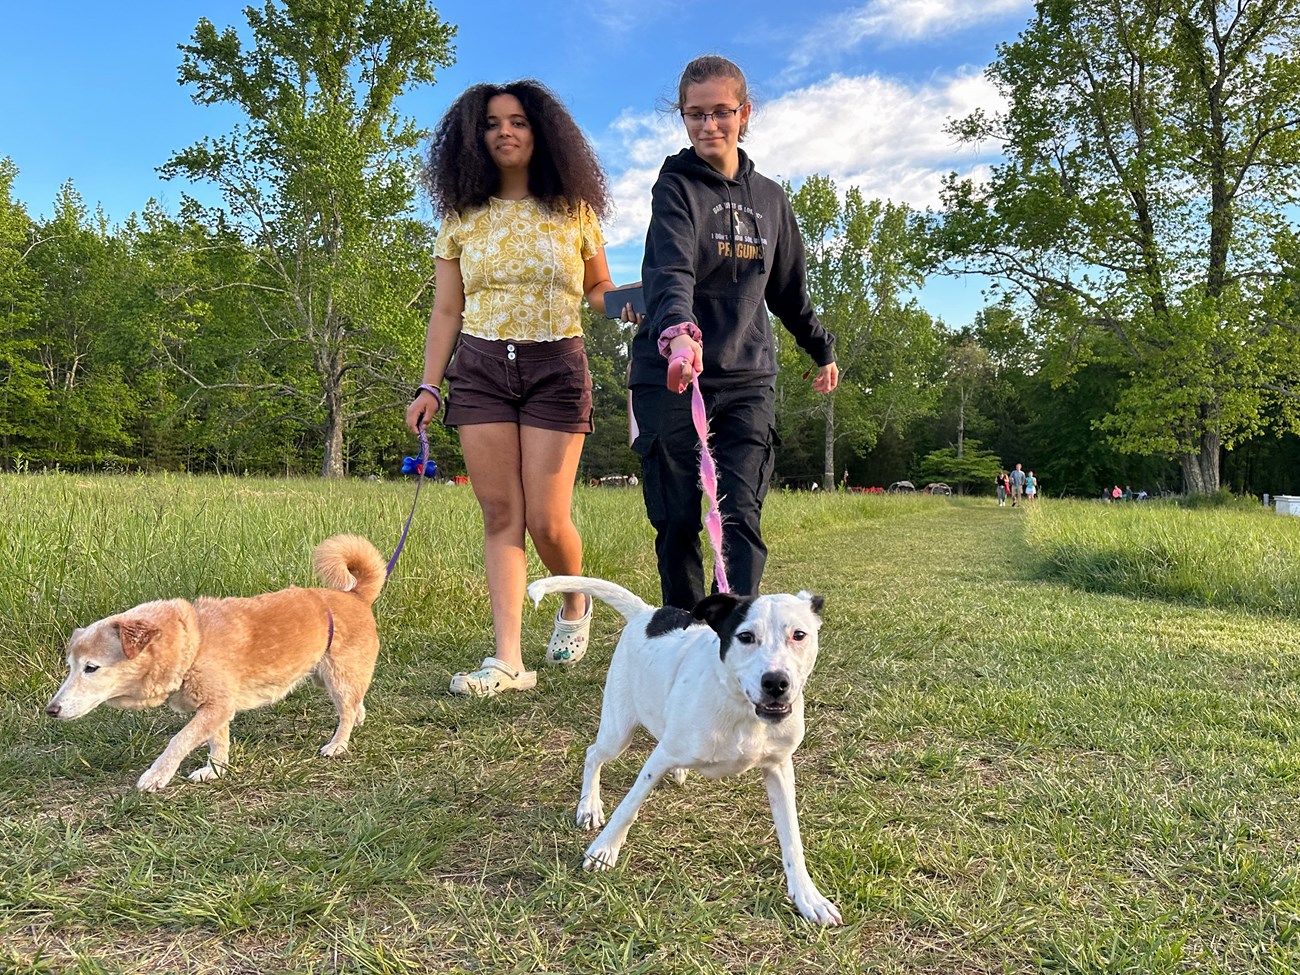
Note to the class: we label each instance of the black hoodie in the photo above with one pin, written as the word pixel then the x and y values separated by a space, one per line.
pixel 720 252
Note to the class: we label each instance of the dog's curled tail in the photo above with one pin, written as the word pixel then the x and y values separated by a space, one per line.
pixel 351 563
pixel 627 603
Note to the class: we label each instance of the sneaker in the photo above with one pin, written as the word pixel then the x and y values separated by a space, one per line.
pixel 569 638
pixel 491 679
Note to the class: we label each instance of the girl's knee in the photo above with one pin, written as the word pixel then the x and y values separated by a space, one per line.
pixel 501 517
pixel 551 532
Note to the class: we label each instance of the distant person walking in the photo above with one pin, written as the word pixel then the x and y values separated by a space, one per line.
pixel 1017 478
pixel 1000 483
pixel 1031 486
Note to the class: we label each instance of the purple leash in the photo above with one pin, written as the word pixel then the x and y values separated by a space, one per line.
pixel 424 456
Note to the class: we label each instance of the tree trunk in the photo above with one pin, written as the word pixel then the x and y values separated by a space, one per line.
pixel 828 453
pixel 1201 469
pixel 332 465
pixel 961 422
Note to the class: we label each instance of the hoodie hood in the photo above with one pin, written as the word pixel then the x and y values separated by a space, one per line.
pixel 688 162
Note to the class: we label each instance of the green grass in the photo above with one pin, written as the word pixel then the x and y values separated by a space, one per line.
pixel 1226 557
pixel 1013 762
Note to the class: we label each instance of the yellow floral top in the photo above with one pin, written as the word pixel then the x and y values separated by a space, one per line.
pixel 522 267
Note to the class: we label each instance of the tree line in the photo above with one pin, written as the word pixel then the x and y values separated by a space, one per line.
pixel 1139 241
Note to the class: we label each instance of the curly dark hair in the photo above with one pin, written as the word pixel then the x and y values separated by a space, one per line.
pixel 563 173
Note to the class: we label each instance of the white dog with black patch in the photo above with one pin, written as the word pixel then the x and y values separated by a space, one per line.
pixel 721 688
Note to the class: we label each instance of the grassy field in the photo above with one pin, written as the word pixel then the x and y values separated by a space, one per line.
pixel 1063 739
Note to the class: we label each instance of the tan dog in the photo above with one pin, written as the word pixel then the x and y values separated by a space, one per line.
pixel 217 657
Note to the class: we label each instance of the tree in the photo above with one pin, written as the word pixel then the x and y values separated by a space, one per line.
pixel 1152 154
pixel 968 366
pixel 974 468
pixel 606 450
pixel 321 181
pixel 861 259
pixel 84 340
pixel 24 397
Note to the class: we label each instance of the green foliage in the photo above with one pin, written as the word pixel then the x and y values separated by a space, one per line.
pixel 863 263
pixel 1222 498
pixel 974 469
pixel 1152 156
pixel 320 180
pixel 606 449
pixel 24 394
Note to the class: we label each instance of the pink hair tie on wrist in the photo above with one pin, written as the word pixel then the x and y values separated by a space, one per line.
pixel 671 332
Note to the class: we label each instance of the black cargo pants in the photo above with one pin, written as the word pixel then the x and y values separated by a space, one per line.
pixel 742 437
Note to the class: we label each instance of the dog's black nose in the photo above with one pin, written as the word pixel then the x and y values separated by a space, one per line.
pixel 53 710
pixel 776 684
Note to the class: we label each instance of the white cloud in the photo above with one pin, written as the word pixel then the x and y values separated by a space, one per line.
pixel 621 17
pixel 895 21
pixel 879 134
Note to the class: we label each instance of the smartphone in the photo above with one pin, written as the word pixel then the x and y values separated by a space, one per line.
pixel 618 297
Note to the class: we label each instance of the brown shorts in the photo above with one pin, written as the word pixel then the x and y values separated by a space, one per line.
pixel 533 384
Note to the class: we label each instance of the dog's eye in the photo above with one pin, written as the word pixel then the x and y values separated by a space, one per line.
pixel 91 668
pixel 798 636
pixel 745 637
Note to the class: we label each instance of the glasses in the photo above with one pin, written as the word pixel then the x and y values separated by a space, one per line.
pixel 719 115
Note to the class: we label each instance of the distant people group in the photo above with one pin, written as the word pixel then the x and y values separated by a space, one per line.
pixel 1019 485
pixel 1128 494
pixel 1015 485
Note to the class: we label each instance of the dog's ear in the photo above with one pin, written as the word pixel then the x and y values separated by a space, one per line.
pixel 135 634
pixel 716 608
pixel 813 600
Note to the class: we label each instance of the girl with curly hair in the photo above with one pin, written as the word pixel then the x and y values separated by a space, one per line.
pixel 520 193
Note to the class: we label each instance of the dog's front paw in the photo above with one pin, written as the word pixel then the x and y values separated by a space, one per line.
pixel 153 780
pixel 678 775
pixel 600 856
pixel 591 815
pixel 816 908
pixel 334 749
pixel 205 774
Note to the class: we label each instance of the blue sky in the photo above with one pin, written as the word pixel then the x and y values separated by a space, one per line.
pixel 855 89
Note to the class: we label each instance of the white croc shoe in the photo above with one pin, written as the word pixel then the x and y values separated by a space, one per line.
pixel 492 678
pixel 569 638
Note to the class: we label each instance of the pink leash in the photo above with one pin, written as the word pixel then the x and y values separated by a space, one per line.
pixel 708 478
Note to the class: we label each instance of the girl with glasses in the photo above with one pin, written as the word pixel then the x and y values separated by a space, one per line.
pixel 722 250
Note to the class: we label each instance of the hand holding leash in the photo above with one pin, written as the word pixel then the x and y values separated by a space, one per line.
pixel 682 346
pixel 685 362
pixel 418 414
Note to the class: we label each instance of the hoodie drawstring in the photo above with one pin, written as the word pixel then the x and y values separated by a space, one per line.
pixel 731 229
pixel 762 251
